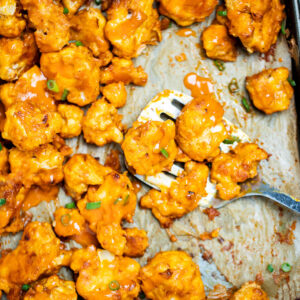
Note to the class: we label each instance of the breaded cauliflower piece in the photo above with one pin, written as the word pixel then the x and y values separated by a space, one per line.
pixel 52 288
pixel 31 86
pixel 131 26
pixel 17 56
pixel 218 44
pixel 52 26
pixel 39 252
pixel 76 71
pixel 102 124
pixel 228 169
pixel 187 12
pixel 200 129
pixel 256 23
pixel 41 166
pixel 136 242
pixel 270 90
pixel 249 291
pixel 181 197
pixel 72 117
pixel 172 275
pixel 87 26
pixel 28 126
pixel 115 93
pixel 123 70
pixel 11 21
pixel 73 5
pixel 151 143
pixel 81 171
pixel 105 276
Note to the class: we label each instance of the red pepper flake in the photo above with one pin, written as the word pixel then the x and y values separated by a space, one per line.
pixel 211 213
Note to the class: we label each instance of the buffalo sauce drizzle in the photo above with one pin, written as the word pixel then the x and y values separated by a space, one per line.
pixel 186 32
pixel 198 85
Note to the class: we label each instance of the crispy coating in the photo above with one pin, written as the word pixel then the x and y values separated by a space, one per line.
pixel 87 26
pixel 17 56
pixel 256 23
pixel 136 242
pixel 250 291
pixel 68 222
pixel 102 124
pixel 28 126
pixel 218 44
pixel 123 70
pixel 81 171
pixel 200 129
pixel 115 93
pixel 151 143
pixel 270 90
pixel 187 12
pixel 181 197
pixel 52 26
pixel 73 5
pixel 52 288
pixel 11 22
pixel 172 275
pixel 131 26
pixel 71 120
pixel 41 166
pixel 39 253
pixel 228 169
pixel 73 69
pixel 32 86
pixel 105 276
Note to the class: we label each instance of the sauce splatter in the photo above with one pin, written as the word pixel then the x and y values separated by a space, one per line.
pixel 198 85
pixel 186 32
pixel 181 57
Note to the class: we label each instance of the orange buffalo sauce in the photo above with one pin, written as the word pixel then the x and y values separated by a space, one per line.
pixel 198 85
pixel 186 32
pixel 86 237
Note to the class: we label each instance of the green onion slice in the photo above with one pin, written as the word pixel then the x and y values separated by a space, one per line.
pixel 219 64
pixel 292 82
pixel 93 205
pixel 246 105
pixel 65 95
pixel 283 24
pixel 164 152
pixel 77 43
pixel 231 140
pixel 98 2
pixel 25 287
pixel 286 267
pixel 70 205
pixel 222 13
pixel 126 200
pixel 114 285
pixel 52 86
pixel 1 147
pixel 66 11
pixel 2 201
pixel 65 219
pixel 270 268
pixel 117 201
pixel 233 86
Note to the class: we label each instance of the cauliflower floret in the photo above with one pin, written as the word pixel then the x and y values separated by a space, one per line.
pixel 270 90
pixel 151 143
pixel 136 242
pixel 72 120
pixel 115 93
pixel 250 290
pixel 131 26
pixel 52 26
pixel 172 275
pixel 102 124
pixel 218 44
pixel 17 56
pixel 181 197
pixel 76 73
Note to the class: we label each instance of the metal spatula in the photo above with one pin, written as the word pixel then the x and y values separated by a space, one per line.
pixel 168 105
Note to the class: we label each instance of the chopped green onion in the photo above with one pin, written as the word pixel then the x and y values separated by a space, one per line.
pixel 164 152
pixel 65 95
pixel 142 295
pixel 233 86
pixel 66 11
pixel 25 287
pixel 286 267
pixel 2 201
pixel 126 200
pixel 222 13
pixel 70 205
pixel 270 268
pixel 219 64
pixel 52 86
pixel 93 205
pixel 120 199
pixel 292 82
pixel 1 147
pixel 65 219
pixel 117 201
pixel 246 105
pixel 170 24
pixel 98 2
pixel 283 24
pixel 77 43
pixel 114 285
pixel 231 140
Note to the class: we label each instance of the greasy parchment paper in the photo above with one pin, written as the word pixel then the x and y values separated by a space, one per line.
pixel 247 227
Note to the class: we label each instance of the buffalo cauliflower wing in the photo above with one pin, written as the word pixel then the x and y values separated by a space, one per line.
pixel 136 242
pixel 172 275
pixel 270 90
pixel 115 93
pixel 250 291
